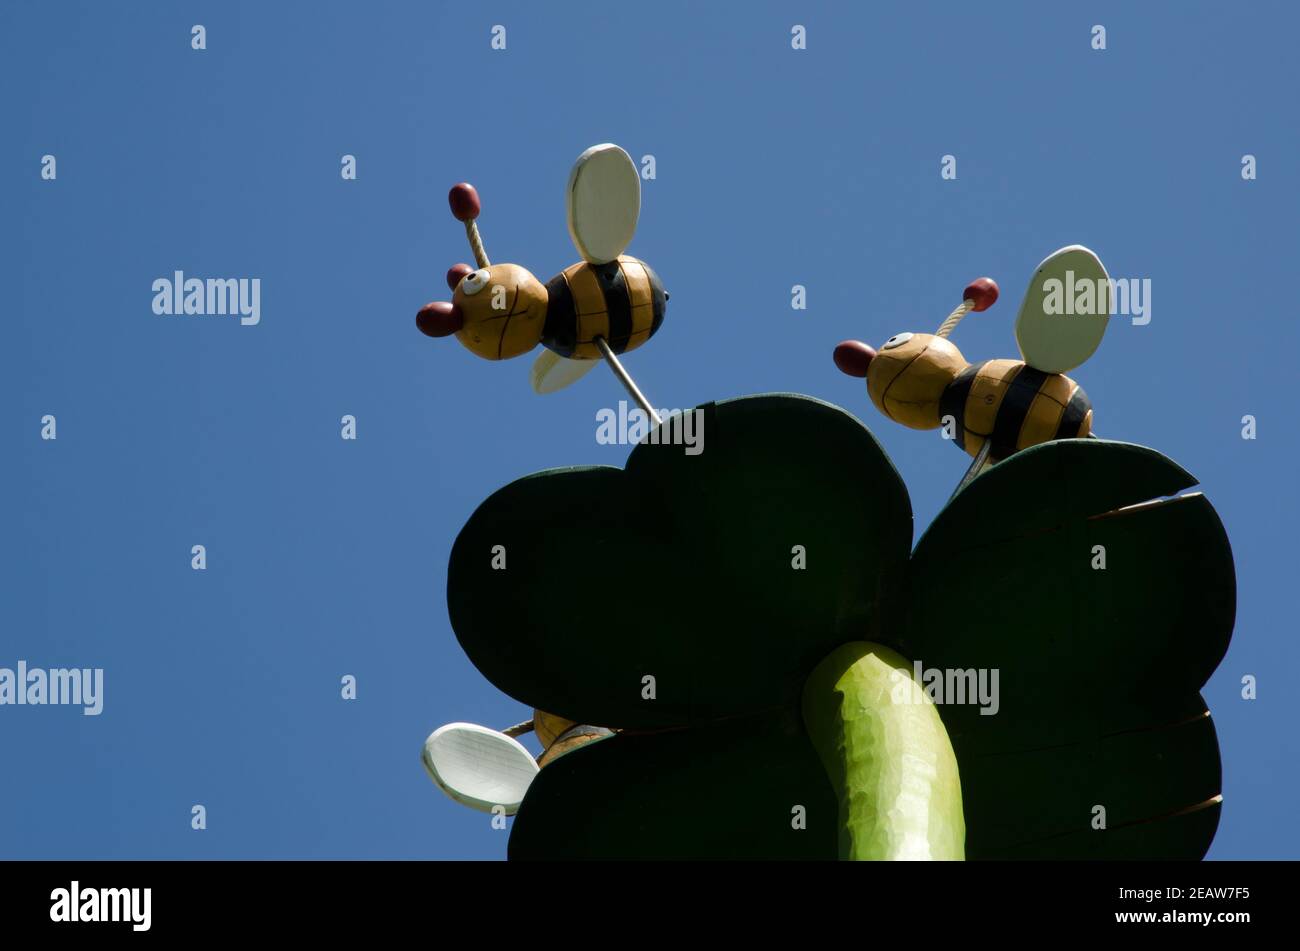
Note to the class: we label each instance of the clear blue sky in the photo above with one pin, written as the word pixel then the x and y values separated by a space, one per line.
pixel 774 167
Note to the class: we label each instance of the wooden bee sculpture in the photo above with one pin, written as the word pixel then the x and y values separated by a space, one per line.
pixel 996 407
pixel 605 305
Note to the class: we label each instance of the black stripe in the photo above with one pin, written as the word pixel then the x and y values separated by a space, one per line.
pixel 953 401
pixel 658 299
pixel 618 303
pixel 1073 416
pixel 1021 390
pixel 560 332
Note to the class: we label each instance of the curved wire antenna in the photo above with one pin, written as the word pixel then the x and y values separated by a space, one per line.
pixel 476 243
pixel 954 318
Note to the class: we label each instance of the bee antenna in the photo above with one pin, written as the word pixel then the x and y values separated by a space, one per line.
pixel 978 295
pixel 476 244
pixel 465 206
pixel 950 324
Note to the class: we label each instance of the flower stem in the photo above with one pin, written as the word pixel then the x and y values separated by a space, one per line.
pixel 887 754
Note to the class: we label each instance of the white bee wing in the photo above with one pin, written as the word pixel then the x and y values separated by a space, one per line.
pixel 553 372
pixel 478 767
pixel 603 199
pixel 1053 336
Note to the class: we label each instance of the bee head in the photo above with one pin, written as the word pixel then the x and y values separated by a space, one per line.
pixel 497 310
pixel 502 309
pixel 906 377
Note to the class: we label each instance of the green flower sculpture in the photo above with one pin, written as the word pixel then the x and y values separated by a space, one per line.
pixel 751 622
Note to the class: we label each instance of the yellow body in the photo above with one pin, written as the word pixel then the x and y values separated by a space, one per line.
pixel 622 302
pixel 1039 413
pixel 509 312
pixel 505 317
pixel 921 379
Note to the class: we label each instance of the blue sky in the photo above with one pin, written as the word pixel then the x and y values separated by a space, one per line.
pixel 774 167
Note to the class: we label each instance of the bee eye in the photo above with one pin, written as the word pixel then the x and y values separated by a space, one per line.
pixel 474 282
pixel 897 340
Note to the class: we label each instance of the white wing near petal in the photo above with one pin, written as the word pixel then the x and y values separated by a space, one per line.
pixel 553 372
pixel 479 767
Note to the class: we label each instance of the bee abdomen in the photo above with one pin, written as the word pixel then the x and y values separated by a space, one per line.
pixel 622 301
pixel 1014 405
pixel 1076 421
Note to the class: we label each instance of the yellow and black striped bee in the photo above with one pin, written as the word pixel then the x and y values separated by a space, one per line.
pixel 621 301
pixel 607 303
pixel 1015 406
pixel 997 407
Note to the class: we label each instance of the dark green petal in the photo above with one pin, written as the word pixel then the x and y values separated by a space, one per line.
pixel 1099 669
pixel 680 568
pixel 727 790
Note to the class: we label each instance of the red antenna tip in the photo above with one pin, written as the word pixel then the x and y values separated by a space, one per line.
pixel 464 202
pixel 982 291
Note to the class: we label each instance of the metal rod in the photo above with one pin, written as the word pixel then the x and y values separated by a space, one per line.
pixel 980 459
pixel 626 380
pixel 519 729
